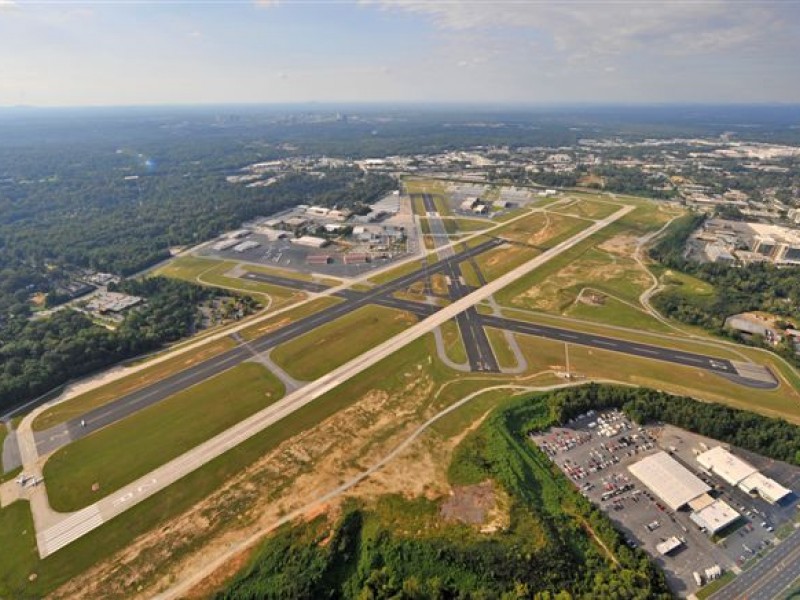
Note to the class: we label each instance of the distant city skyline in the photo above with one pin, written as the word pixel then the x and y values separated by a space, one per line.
pixel 284 51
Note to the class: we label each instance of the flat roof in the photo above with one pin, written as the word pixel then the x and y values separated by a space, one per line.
pixel 716 516
pixel 721 462
pixel 668 479
pixel 767 488
pixel 669 545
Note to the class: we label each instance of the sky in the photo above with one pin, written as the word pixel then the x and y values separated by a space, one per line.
pixel 73 53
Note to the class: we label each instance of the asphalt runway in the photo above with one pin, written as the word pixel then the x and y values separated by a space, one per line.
pixel 768 577
pixel 60 435
pixel 715 365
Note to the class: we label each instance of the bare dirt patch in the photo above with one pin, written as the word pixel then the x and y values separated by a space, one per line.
pixel 621 245
pixel 469 504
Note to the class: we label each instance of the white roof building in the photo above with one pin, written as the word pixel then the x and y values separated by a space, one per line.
pixel 769 489
pixel 715 517
pixel 668 479
pixel 725 465
pixel 310 241
pixel 736 471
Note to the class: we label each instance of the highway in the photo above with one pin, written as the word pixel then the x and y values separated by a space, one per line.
pixel 766 579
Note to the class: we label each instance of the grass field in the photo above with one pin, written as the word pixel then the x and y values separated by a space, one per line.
pixel 327 347
pixel 453 344
pixel 502 259
pixel 399 271
pixel 127 450
pixel 511 214
pixel 502 351
pixel 469 274
pixel 589 209
pixel 541 230
pixel 469 225
pixel 213 272
pixel 136 381
pixel 616 312
pixel 267 325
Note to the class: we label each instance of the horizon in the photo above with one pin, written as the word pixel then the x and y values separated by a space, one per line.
pixel 104 54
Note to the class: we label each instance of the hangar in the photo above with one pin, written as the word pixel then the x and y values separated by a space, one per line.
pixel 668 479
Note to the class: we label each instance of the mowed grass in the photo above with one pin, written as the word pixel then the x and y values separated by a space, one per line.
pixel 502 259
pixel 470 275
pixel 332 345
pixel 212 272
pixel 136 381
pixel 502 351
pixel 18 555
pixel 589 209
pixel 618 313
pixel 295 314
pixel 129 449
pixel 542 230
pixel 453 344
pixel 399 271
pixel 471 224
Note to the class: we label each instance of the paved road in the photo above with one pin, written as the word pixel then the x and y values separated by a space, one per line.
pixel 51 439
pixel 438 230
pixel 769 577
pixel 51 536
pixel 298 284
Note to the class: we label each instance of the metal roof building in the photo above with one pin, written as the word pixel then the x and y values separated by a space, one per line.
pixel 715 517
pixel 722 463
pixel 668 479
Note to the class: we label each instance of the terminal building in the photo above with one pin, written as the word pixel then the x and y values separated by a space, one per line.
pixel 679 489
pixel 735 471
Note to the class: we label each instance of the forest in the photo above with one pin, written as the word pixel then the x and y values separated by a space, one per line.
pixel 41 354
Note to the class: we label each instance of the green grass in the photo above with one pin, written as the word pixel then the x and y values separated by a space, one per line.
pixel 136 381
pixel 258 329
pixel 516 212
pixel 425 226
pixel 686 284
pixel 333 344
pixel 502 259
pixel 399 271
pixel 127 450
pixel 502 351
pixel 19 555
pixel 456 422
pixel 469 274
pixel 453 344
pixel 616 312
pixel 590 209
pixel 471 224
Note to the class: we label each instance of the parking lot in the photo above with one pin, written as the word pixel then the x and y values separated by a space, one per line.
pixel 595 452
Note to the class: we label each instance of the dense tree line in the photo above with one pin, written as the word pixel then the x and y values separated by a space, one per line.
pixel 38 355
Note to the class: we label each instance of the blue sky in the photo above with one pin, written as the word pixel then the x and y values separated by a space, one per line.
pixel 58 53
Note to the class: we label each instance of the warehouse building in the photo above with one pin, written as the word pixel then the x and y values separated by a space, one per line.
pixel 735 471
pixel 669 480
pixel 310 241
pixel 245 246
pixel 679 488
pixel 319 259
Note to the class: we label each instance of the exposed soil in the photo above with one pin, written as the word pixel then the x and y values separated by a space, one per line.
pixel 469 504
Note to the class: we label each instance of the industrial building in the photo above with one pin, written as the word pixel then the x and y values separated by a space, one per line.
pixel 245 246
pixel 679 488
pixel 669 480
pixel 735 471
pixel 225 244
pixel 319 259
pixel 310 241
pixel 356 258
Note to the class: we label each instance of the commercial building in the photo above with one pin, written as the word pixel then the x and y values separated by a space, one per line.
pixel 669 480
pixel 245 246
pixel 737 472
pixel 679 488
pixel 310 241
pixel 319 259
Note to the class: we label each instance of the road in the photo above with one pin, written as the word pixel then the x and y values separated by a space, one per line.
pixel 52 534
pixel 768 577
